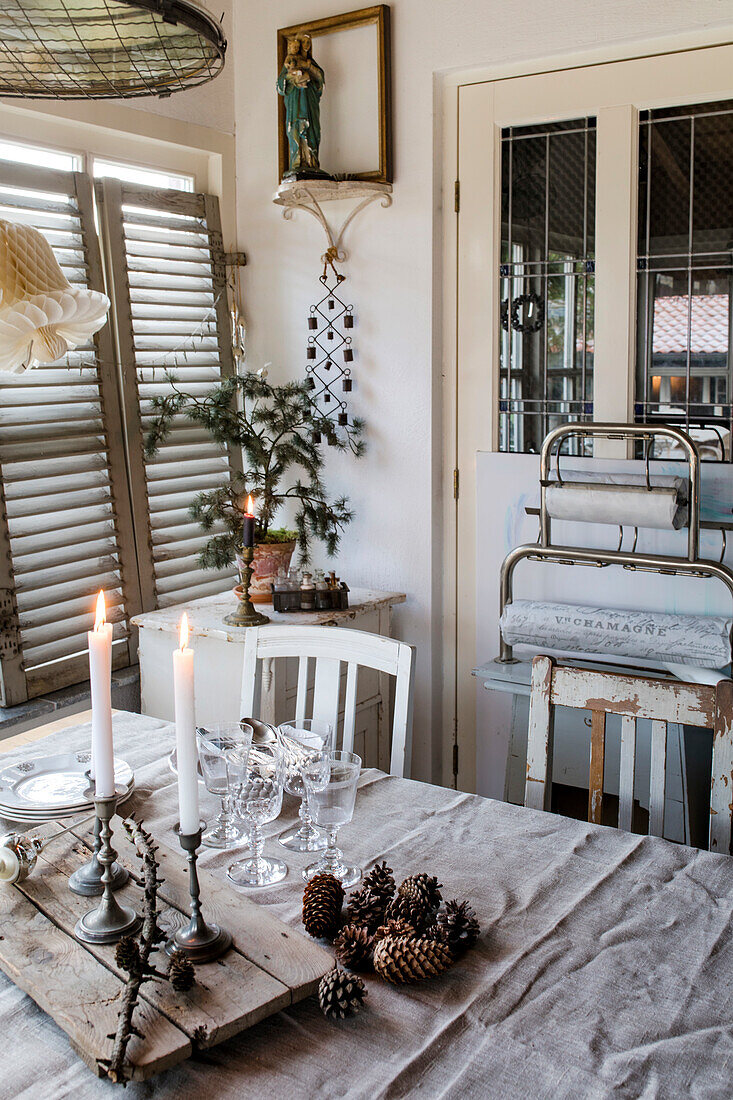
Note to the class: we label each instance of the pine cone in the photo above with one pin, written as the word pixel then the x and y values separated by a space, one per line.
pixel 181 973
pixel 393 928
pixel 380 881
pixel 127 954
pixel 423 890
pixel 408 909
pixel 434 931
pixel 366 908
pixel 399 959
pixel 340 994
pixel 323 898
pixel 353 947
pixel 459 927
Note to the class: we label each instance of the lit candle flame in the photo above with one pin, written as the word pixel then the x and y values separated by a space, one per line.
pixel 250 506
pixel 183 631
pixel 101 616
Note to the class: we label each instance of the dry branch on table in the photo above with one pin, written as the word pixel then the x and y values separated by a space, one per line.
pixel 134 957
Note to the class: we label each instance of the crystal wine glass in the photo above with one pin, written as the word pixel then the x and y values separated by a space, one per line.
pixel 330 782
pixel 302 740
pixel 257 800
pixel 222 754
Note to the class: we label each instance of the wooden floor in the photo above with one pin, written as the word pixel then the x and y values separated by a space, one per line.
pixel 27 737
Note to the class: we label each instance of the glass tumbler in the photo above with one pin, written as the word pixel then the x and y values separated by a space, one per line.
pixel 222 755
pixel 302 741
pixel 330 782
pixel 258 800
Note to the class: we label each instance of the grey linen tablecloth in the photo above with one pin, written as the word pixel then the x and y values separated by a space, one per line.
pixel 604 968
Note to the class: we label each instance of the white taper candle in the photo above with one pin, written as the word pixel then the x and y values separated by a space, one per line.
pixel 100 677
pixel 186 751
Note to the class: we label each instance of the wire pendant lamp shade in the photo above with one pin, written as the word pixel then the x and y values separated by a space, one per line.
pixel 106 49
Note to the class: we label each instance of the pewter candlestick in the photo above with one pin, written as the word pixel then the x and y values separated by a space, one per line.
pixel 87 880
pixel 199 941
pixel 110 920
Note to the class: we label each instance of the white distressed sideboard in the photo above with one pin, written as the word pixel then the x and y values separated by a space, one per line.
pixel 219 651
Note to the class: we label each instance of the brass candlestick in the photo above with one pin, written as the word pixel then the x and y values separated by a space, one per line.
pixel 110 920
pixel 199 941
pixel 245 615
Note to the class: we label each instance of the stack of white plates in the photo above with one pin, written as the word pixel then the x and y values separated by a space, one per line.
pixel 54 787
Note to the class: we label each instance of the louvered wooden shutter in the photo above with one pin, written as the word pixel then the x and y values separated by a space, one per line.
pixel 164 253
pixel 65 523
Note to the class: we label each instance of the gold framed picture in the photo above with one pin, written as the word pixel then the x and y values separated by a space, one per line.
pixel 349 59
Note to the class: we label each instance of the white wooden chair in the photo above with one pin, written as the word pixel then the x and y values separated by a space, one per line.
pixel 632 697
pixel 330 647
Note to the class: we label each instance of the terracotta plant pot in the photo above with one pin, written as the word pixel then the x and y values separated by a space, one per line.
pixel 269 559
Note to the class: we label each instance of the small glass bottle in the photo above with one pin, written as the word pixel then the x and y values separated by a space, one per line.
pixel 307 593
pixel 334 590
pixel 293 590
pixel 323 596
pixel 279 591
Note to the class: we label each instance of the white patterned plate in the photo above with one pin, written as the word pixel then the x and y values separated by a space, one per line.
pixel 52 783
pixel 40 816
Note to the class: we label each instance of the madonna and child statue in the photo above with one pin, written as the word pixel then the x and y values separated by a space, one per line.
pixel 300 83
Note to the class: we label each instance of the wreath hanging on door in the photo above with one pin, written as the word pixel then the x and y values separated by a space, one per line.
pixel 535 313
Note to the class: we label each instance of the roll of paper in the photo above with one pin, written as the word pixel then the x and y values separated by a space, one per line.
pixel 702 640
pixel 619 499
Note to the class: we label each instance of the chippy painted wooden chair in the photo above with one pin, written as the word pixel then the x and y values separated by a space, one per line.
pixel 632 697
pixel 330 647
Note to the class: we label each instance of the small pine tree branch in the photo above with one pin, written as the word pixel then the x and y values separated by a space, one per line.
pixel 274 427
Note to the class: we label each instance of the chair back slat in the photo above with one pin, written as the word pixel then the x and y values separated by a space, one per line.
pixel 400 760
pixel 352 674
pixel 597 765
pixel 721 789
pixel 657 778
pixel 330 648
pixel 631 697
pixel 326 691
pixel 627 772
pixel 302 692
pixel 642 696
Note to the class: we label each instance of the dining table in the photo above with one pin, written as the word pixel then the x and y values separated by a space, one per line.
pixel 604 967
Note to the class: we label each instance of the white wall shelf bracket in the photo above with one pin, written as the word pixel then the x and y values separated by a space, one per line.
pixel 309 195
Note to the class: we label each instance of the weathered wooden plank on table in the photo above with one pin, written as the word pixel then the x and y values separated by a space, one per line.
pixel 297 962
pixel 79 994
pixel 80 985
pixel 228 996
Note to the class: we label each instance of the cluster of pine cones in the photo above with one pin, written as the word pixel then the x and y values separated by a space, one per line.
pixel 403 933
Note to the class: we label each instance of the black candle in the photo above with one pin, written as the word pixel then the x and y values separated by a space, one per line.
pixel 248 526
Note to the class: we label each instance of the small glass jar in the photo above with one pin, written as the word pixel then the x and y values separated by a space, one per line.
pixel 307 593
pixel 323 595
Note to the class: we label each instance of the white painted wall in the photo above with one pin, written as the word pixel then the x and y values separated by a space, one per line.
pixel 395 540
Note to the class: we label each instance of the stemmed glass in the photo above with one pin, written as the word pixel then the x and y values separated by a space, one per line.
pixel 222 754
pixel 302 740
pixel 330 783
pixel 257 800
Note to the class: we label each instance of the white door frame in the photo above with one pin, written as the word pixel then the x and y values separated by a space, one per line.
pixel 612 86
